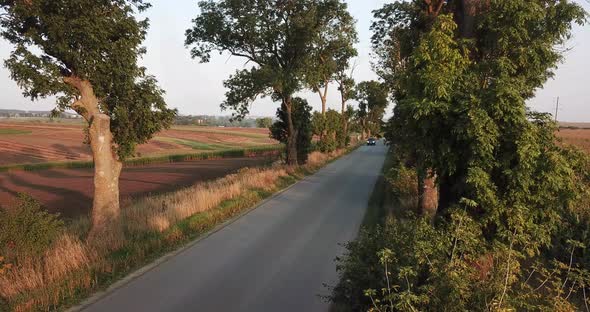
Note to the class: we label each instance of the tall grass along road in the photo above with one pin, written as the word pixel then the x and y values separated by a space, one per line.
pixel 276 258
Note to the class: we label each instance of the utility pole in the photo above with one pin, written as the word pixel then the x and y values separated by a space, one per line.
pixel 556 108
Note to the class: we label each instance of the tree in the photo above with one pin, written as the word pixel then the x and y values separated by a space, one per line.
pixel 372 98
pixel 302 120
pixel 509 233
pixel 332 49
pixel 347 119
pixel 265 122
pixel 276 36
pixel 346 87
pixel 461 79
pixel 85 52
pixel 329 127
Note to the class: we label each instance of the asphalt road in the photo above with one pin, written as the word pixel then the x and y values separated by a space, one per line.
pixel 276 258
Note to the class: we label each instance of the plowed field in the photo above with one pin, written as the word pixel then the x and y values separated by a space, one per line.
pixel 29 143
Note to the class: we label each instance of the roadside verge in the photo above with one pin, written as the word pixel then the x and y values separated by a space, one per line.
pixel 73 269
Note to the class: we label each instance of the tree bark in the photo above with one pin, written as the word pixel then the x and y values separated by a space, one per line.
pixel 344 119
pixel 107 166
pixel 107 169
pixel 323 98
pixel 466 12
pixel 291 135
pixel 428 197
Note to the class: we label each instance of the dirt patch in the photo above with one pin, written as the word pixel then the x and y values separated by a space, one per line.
pixel 69 191
pixel 577 137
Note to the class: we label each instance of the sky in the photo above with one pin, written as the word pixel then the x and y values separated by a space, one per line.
pixel 197 89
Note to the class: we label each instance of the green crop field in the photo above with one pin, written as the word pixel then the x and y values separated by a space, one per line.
pixel 14 132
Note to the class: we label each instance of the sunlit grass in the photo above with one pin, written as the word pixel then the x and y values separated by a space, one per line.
pixel 195 144
pixel 223 131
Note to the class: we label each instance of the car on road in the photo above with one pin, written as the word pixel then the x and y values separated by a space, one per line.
pixel 372 142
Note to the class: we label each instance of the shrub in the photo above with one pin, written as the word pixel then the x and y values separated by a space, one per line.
pixel 413 265
pixel 25 228
pixel 404 185
pixel 330 128
pixel 301 117
pixel 327 144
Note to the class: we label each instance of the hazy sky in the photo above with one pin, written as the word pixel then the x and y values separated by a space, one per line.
pixel 196 88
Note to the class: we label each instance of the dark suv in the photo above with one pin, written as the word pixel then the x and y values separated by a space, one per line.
pixel 372 142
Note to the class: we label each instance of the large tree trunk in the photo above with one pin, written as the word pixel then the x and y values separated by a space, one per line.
pixel 323 99
pixel 428 193
pixel 291 135
pixel 466 12
pixel 448 194
pixel 344 120
pixel 107 169
pixel 107 166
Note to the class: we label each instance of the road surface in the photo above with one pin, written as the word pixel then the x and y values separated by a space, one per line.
pixel 276 258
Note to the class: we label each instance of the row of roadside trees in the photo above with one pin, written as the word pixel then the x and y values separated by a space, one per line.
pixel 503 217
pixel 85 53
pixel 293 46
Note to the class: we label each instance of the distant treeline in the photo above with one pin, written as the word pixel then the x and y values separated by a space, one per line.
pixel 215 121
pixel 14 113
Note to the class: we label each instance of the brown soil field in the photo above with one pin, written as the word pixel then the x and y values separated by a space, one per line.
pixel 577 137
pixel 581 125
pixel 30 143
pixel 69 191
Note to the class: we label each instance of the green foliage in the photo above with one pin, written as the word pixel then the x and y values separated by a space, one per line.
pixel 301 114
pixel 277 37
pixel 332 49
pixel 97 41
pixel 265 122
pixel 511 230
pixel 372 98
pixel 402 181
pixel 410 265
pixel 330 128
pixel 27 229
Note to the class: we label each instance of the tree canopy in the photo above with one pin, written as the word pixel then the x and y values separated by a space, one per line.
pixel 372 97
pixel 460 73
pixel 265 122
pixel 85 53
pixel 302 121
pixel 275 36
pixel 59 43
pixel 331 51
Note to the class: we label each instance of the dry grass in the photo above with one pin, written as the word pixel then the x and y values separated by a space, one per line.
pixel 159 213
pixel 73 268
pixel 577 137
pixel 40 275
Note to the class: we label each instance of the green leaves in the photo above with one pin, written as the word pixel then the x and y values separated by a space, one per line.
pixel 98 41
pixel 286 41
pixel 292 44
pixel 372 98
pixel 333 46
pixel 245 86
pixel 461 81
pixel 301 117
